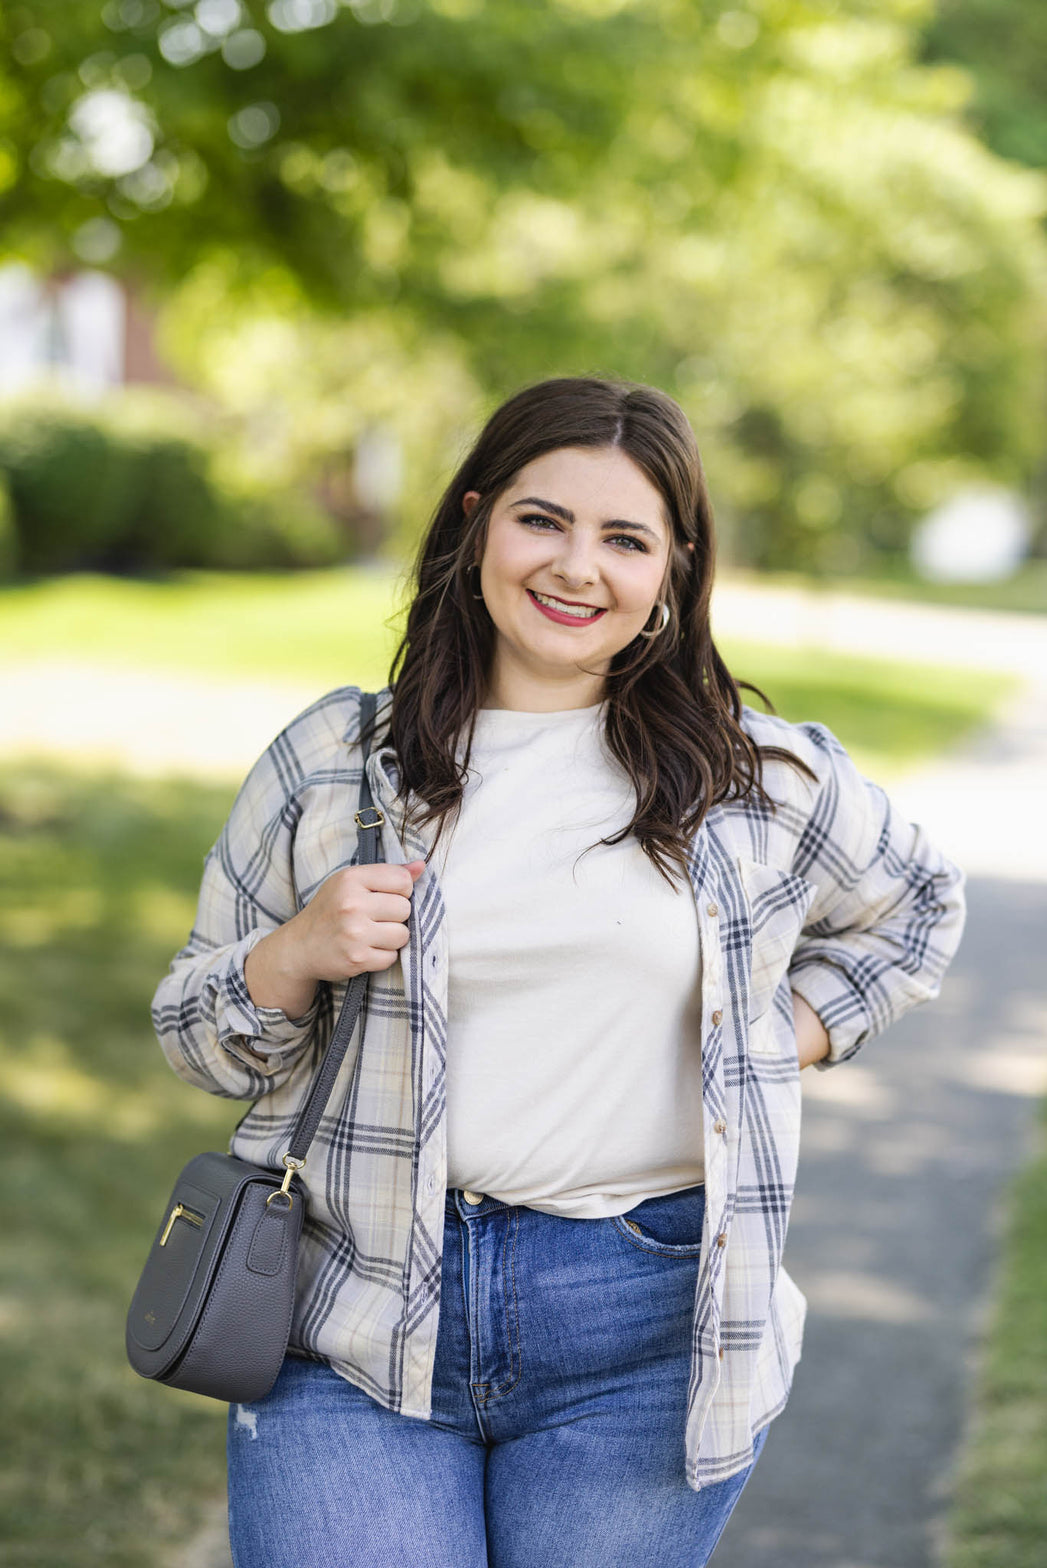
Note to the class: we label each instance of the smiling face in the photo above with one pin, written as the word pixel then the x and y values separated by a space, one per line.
pixel 581 525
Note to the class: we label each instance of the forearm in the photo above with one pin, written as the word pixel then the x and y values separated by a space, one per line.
pixel 812 1040
pixel 273 974
pixel 888 913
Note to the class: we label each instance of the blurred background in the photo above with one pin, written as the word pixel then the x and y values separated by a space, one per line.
pixel 264 270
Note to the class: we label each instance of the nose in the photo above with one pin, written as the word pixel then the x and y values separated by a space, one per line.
pixel 575 560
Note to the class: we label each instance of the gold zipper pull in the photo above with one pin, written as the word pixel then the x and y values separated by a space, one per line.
pixel 180 1212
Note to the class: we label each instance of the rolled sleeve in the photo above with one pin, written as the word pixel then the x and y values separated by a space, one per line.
pixel 214 1035
pixel 889 910
pixel 210 1030
pixel 249 1032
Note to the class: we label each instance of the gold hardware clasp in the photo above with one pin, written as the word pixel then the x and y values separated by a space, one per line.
pixel 378 813
pixel 291 1165
pixel 180 1212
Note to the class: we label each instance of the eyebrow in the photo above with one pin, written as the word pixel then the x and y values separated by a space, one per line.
pixel 568 516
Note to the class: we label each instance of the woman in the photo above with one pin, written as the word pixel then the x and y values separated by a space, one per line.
pixel 541 1315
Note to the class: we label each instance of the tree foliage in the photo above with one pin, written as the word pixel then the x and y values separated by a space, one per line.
pixel 774 210
pixel 1002 44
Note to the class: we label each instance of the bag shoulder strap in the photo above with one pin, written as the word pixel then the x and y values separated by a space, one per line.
pixel 369 820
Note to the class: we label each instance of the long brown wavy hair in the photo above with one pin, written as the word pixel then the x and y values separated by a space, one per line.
pixel 673 707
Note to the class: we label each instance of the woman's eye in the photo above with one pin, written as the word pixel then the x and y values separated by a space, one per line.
pixel 634 544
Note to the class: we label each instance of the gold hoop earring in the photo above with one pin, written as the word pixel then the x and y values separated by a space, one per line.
pixel 661 628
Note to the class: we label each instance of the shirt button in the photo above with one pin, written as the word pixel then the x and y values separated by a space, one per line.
pixel 711 909
pixel 721 1240
pixel 717 1017
pixel 721 1126
pixel 472 1197
pixel 720 1352
pixel 430 1183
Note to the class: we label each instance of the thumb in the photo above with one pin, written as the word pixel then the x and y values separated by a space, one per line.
pixel 415 867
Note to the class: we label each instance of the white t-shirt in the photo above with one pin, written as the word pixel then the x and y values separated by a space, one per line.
pixel 574 1007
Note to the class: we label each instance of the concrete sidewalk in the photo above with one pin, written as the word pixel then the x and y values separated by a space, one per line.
pixel 889 628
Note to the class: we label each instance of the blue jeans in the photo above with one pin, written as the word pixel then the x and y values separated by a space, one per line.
pixel 556 1440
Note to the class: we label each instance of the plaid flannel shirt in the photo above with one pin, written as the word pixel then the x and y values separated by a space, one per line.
pixel 834 896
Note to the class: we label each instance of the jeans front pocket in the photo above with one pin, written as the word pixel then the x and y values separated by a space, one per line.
pixel 670 1224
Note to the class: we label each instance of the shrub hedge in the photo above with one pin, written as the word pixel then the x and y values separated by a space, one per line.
pixel 125 488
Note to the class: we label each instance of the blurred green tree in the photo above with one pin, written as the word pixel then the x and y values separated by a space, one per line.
pixel 775 211
pixel 1002 44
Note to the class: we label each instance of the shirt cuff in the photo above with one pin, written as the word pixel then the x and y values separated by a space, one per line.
pixel 827 991
pixel 261 1037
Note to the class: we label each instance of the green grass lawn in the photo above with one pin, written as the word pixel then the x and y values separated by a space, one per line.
pixel 328 627
pixel 97 891
pixel 890 716
pixel 999 1518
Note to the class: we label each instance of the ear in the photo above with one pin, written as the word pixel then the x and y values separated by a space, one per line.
pixel 469 500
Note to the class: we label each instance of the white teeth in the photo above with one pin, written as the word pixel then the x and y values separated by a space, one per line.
pixel 566 609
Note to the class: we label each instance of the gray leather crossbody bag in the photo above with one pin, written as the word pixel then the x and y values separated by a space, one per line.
pixel 212 1310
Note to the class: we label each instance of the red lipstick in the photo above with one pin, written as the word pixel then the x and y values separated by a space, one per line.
pixel 562 618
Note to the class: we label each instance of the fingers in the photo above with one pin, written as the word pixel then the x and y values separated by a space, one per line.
pixel 381 877
pixel 357 919
pixel 386 906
